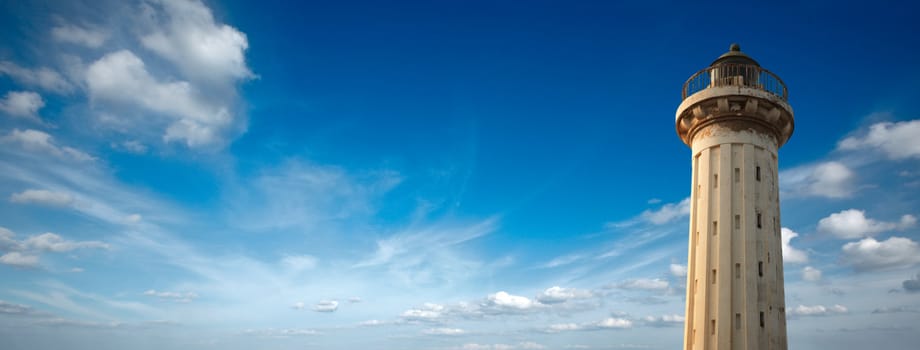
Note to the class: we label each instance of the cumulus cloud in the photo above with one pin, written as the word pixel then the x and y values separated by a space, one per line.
pixel 39 141
pixel 326 306
pixel 811 274
pixel 45 197
pixel 897 140
pixel 53 243
pixel 644 284
pixel 299 305
pixel 667 213
pixel 44 78
pixel 22 104
pixel 186 34
pixel 869 254
pixel 663 321
pixel 509 302
pixel 853 223
pixel 73 34
pixel 829 179
pixel 444 331
pixel 791 255
pixel 816 310
pixel 179 297
pixel 25 253
pixel 427 312
pixel 122 78
pixel 678 270
pixel 18 259
pixel 556 294
pixel 607 323
pixel 912 285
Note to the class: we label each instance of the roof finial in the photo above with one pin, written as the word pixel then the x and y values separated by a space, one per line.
pixel 735 47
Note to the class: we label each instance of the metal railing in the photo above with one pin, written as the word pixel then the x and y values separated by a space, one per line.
pixel 735 74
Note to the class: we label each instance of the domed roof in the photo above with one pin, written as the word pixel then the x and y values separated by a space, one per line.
pixel 735 56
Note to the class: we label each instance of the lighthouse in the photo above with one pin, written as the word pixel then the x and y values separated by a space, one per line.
pixel 735 116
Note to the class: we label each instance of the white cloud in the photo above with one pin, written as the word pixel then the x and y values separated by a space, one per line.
pixel 444 331
pixel 897 140
pixel 791 255
pixel 853 223
pixel 22 104
pixel 25 253
pixel 507 301
pixel 68 33
pixel 54 243
pixel 663 321
pixel 556 294
pixel 829 179
pixel 428 312
pixel 46 197
pixel 667 212
pixel 186 34
pixel 678 270
pixel 522 345
pixel 645 284
pixel 121 77
pixel 816 310
pixel 44 78
pixel 607 323
pixel 869 254
pixel 19 259
pixel 372 323
pixel 8 240
pixel 811 274
pixel 39 141
pixel 326 306
pixel 179 297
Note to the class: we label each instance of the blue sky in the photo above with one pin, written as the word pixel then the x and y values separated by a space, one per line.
pixel 430 175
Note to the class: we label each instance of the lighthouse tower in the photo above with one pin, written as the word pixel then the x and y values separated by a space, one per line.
pixel 735 116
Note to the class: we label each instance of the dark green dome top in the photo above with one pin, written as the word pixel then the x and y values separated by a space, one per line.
pixel 735 56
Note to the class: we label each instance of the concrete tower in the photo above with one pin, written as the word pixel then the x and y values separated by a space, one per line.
pixel 734 116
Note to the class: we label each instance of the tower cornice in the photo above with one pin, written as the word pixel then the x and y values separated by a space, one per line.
pixel 742 106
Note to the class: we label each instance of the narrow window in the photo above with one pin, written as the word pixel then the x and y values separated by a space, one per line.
pixel 713 327
pixel 760 268
pixel 757 173
pixel 768 257
pixel 713 276
pixel 737 321
pixel 759 225
pixel 696 239
pixel 737 174
pixel 696 285
pixel 715 227
pixel 761 319
pixel 737 222
pixel 737 270
pixel 715 181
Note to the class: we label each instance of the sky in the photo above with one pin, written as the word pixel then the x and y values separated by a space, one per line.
pixel 491 175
